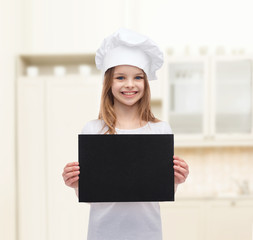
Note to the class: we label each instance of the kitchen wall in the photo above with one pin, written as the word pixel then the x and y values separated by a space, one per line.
pixel 80 25
pixel 217 172
pixel 10 43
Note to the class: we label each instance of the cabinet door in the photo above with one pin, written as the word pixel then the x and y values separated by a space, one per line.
pixel 233 96
pixel 187 96
pixel 70 104
pixel 182 220
pixel 51 114
pixel 229 220
pixel 31 165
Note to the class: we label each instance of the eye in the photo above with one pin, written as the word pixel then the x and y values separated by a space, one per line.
pixel 139 77
pixel 120 78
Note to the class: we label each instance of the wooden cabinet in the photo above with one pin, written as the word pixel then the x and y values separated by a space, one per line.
pixel 209 219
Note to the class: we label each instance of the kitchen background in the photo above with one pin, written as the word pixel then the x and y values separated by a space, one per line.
pixel 49 88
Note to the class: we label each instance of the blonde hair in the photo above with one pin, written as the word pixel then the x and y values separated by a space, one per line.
pixel 107 112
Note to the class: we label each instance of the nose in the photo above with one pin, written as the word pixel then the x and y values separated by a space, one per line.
pixel 129 82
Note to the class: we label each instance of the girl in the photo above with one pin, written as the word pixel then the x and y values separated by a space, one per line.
pixel 128 60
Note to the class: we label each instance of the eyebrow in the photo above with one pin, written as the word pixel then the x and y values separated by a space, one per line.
pixel 124 73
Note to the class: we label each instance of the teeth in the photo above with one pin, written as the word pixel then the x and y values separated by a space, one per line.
pixel 129 93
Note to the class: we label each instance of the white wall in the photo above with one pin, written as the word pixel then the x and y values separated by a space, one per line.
pixel 10 42
pixel 81 25
pixel 73 26
pixel 197 22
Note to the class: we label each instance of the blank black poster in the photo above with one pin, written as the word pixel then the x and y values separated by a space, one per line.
pixel 126 167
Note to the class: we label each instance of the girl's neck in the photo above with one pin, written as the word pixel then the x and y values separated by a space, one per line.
pixel 128 117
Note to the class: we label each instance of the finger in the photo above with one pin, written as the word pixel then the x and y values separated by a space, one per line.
pixel 72 164
pixel 71 181
pixel 179 174
pixel 181 170
pixel 71 169
pixel 181 163
pixel 70 175
pixel 181 166
pixel 179 178
pixel 178 159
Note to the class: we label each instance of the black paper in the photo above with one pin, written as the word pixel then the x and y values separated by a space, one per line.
pixel 126 167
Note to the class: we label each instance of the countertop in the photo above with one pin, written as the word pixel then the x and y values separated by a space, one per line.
pixel 214 197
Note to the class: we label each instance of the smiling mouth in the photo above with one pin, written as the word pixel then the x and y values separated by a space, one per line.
pixel 129 93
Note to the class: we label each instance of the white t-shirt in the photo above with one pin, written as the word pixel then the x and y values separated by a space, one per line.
pixel 125 220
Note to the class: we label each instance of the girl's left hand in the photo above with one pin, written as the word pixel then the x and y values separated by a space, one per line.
pixel 181 170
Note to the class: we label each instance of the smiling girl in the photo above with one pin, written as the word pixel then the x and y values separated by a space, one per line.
pixel 128 61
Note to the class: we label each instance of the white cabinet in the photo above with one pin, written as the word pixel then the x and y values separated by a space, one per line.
pixel 31 161
pixel 209 100
pixel 208 219
pixel 70 103
pixel 187 95
pixel 231 220
pixel 51 113
pixel 232 96
pixel 181 220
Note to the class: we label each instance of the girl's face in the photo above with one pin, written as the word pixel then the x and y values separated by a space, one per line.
pixel 127 85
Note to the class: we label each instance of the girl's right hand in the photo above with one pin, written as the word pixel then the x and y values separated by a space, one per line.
pixel 70 174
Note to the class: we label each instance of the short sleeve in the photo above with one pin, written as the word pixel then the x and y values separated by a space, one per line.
pixel 93 127
pixel 87 128
pixel 166 128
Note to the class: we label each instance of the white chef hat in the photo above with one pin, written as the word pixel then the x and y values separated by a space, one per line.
pixel 126 47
